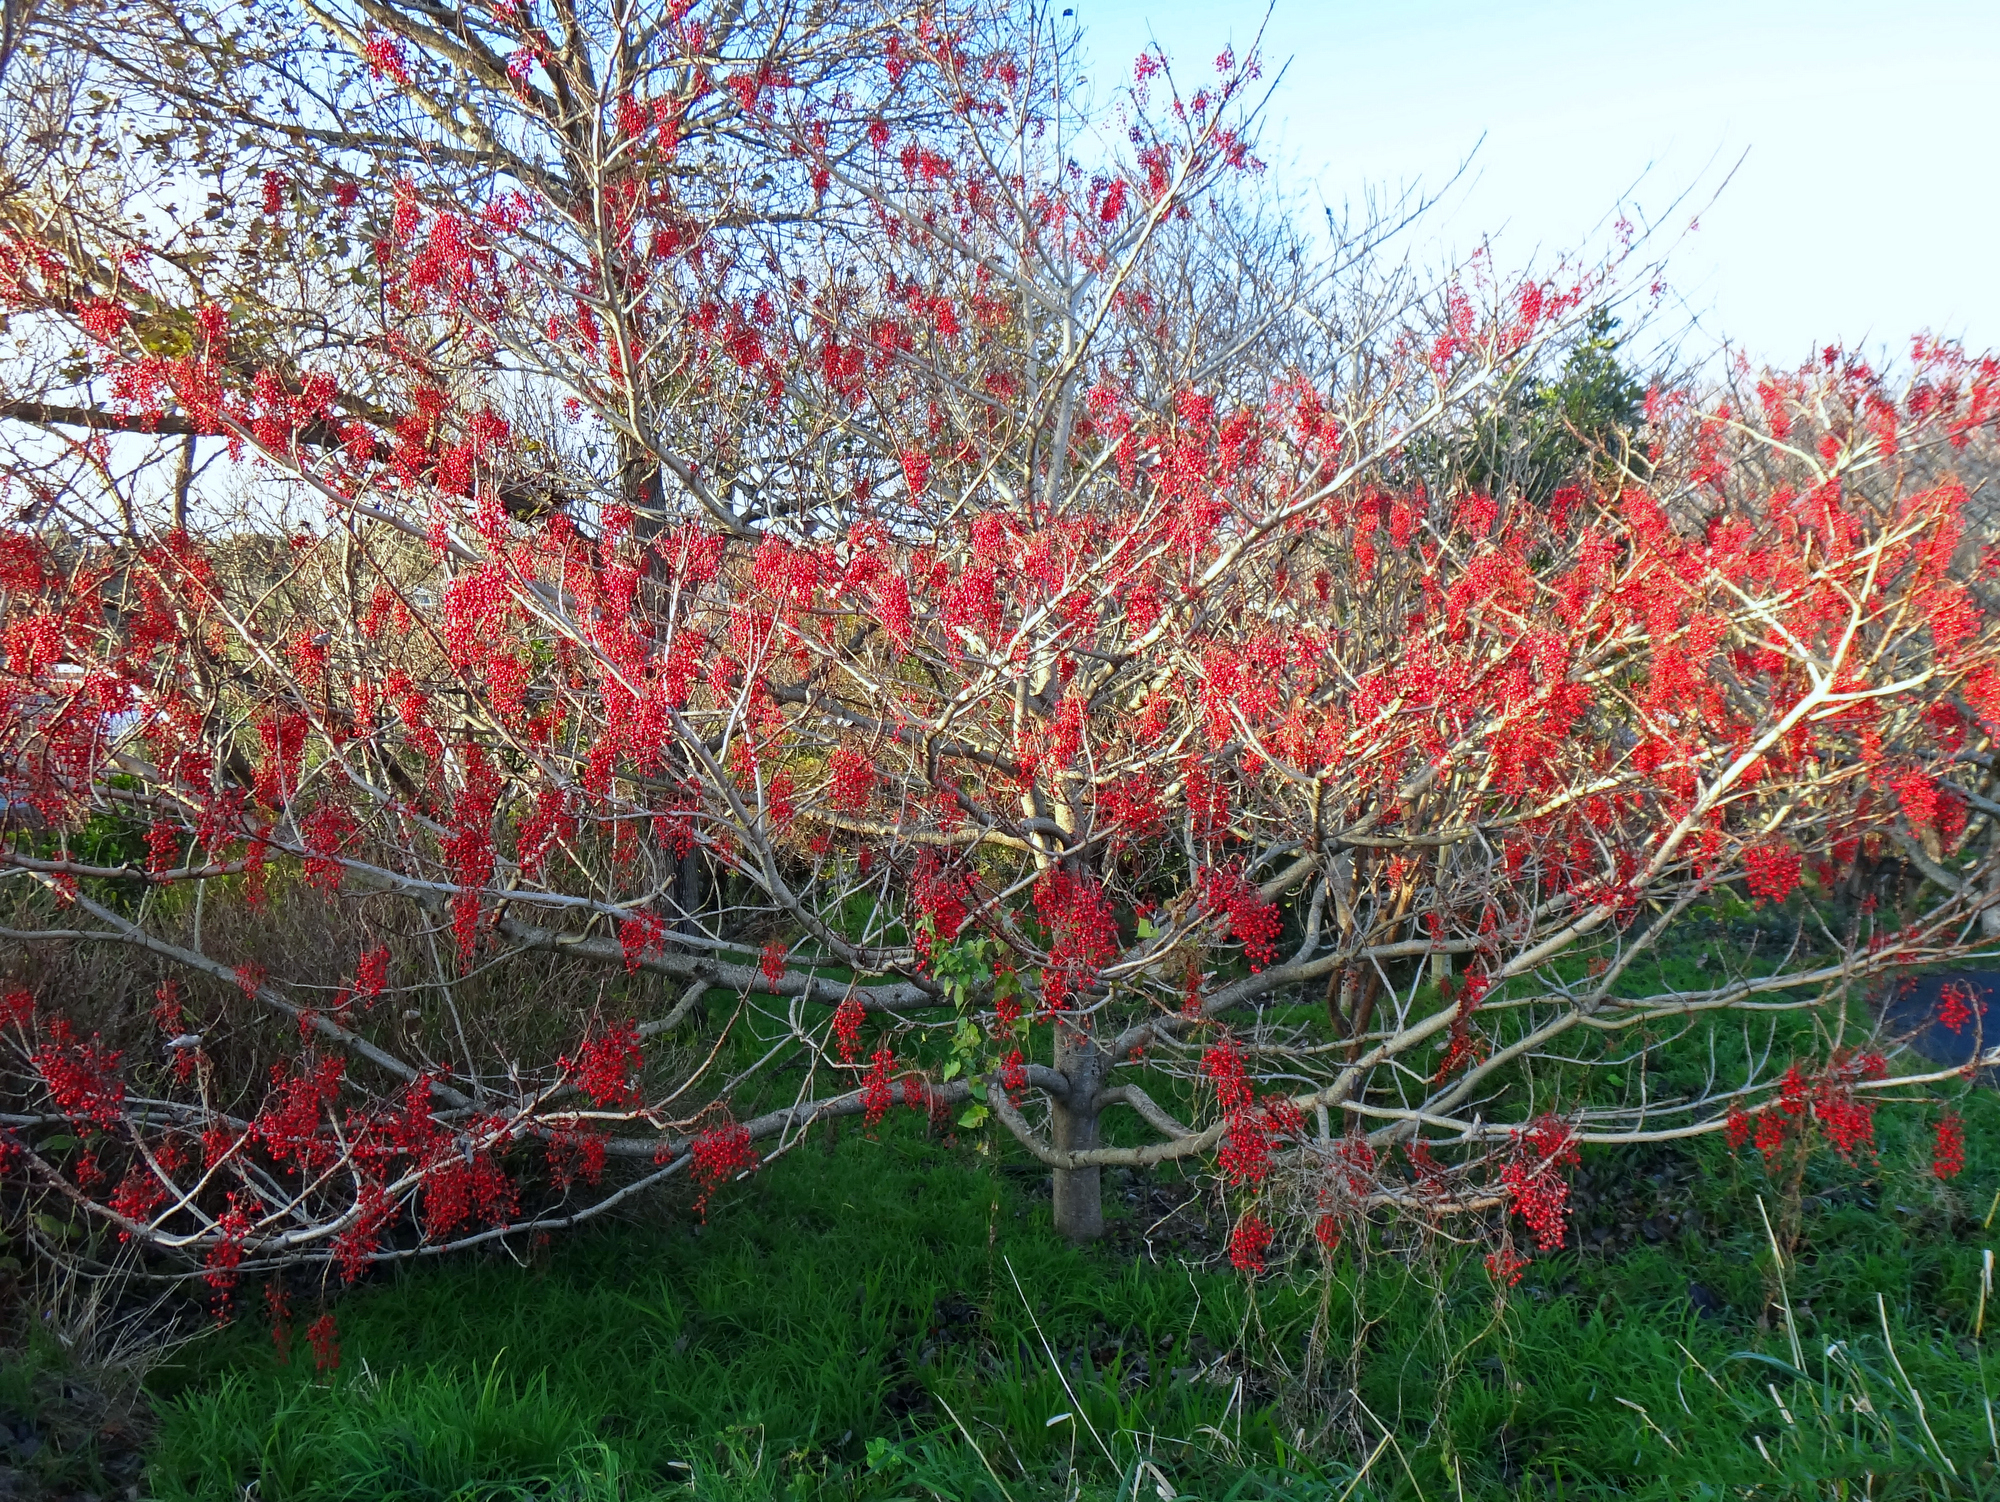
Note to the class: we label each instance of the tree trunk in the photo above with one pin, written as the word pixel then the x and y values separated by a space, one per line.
pixel 1079 1200
pixel 689 893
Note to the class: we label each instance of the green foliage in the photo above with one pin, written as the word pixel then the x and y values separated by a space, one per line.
pixel 1560 427
pixel 1592 401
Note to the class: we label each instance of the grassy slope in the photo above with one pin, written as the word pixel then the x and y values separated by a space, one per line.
pixel 846 1320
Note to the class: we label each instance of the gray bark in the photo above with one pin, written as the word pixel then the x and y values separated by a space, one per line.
pixel 1079 1199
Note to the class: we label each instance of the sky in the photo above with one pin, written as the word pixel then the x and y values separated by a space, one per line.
pixel 1853 145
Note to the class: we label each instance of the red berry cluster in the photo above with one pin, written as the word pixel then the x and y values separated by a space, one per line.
pixel 459 1188
pixel 640 937
pixel 1534 1182
pixel 384 54
pixel 877 1094
pixel 1249 1243
pixel 1948 1149
pixel 326 832
pixel 138 1195
pixel 576 1154
pixel 1918 795
pixel 1463 1043
pixel 1848 1119
pixel 322 1335
pixel 373 1209
pixel 1084 933
pixel 971 604
pixel 718 1155
pixel 1326 1231
pixel 82 1077
pixel 288 1125
pixel 848 1018
pixel 1505 1266
pixel 604 1067
pixel 163 844
pixel 1830 1100
pixel 371 973
pixel 1223 1063
pixel 1354 1173
pixel 102 319
pixel 1252 919
pixel 1771 872
pixel 772 964
pixel 226 1255
pixel 1245 1156
pixel 468 848
pixel 853 780
pixel 942 896
pixel 1013 1073
pixel 1737 1127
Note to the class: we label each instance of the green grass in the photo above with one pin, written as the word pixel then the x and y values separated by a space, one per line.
pixel 848 1325
pixel 829 1297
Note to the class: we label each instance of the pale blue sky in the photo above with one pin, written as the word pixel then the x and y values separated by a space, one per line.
pixel 1867 209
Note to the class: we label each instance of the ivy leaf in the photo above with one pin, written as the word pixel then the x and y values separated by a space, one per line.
pixel 973 1116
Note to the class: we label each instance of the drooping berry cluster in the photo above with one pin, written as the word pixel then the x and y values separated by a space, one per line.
pixel 771 964
pixel 1505 1266
pixel 1771 872
pixel 877 1094
pixel 1533 1179
pixel 1084 933
pixel 1249 1243
pixel 606 1066
pixel 853 780
pixel 1948 1147
pixel 848 1018
pixel 1253 919
pixel 640 937
pixel 82 1078
pixel 1464 1043
pixel 718 1155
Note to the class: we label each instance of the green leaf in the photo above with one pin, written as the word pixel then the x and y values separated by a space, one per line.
pixel 978 1089
pixel 952 1069
pixel 54 1229
pixel 973 1116
pixel 885 1454
pixel 58 1144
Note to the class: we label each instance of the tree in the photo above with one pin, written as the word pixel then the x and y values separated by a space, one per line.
pixel 1581 415
pixel 745 507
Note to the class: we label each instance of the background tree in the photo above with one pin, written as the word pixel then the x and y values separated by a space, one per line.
pixel 1574 417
